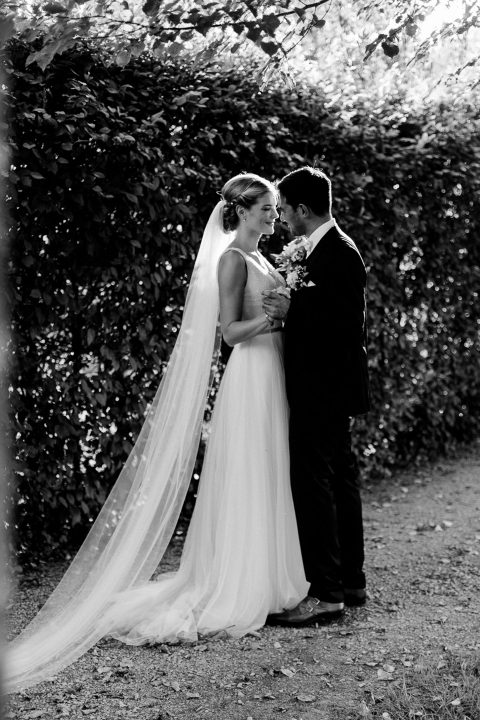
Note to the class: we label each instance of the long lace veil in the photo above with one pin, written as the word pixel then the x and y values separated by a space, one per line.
pixel 134 527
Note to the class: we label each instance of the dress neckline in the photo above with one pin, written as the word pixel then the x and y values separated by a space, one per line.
pixel 259 260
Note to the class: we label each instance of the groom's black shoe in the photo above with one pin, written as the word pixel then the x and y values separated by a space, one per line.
pixel 355 596
pixel 307 612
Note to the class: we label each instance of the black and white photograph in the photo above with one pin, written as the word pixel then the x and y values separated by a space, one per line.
pixel 240 359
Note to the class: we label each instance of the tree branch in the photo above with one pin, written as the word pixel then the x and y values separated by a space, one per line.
pixel 180 28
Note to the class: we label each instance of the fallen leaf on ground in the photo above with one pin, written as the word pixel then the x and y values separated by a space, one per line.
pixel 306 698
pixel 382 675
pixel 172 684
pixel 364 710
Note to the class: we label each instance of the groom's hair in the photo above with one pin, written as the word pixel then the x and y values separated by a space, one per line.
pixel 307 186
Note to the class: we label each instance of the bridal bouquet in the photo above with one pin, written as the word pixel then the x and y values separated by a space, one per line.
pixel 289 264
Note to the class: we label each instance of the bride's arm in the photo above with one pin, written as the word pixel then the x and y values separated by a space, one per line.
pixel 232 277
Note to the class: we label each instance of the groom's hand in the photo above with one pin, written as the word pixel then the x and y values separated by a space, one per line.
pixel 275 305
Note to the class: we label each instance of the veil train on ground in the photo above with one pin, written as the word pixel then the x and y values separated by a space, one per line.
pixel 133 529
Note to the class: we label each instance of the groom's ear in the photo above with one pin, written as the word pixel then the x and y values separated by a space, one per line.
pixel 303 210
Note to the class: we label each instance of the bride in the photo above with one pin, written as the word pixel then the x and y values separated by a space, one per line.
pixel 241 560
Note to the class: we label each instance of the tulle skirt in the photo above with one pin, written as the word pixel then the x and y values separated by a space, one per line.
pixel 241 559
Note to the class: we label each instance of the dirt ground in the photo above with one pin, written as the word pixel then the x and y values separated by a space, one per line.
pixel 423 569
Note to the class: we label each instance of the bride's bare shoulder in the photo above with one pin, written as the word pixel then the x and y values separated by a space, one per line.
pixel 232 268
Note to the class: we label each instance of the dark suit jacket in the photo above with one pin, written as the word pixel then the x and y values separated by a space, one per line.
pixel 325 332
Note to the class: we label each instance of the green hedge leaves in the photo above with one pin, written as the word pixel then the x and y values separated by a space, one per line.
pixel 114 173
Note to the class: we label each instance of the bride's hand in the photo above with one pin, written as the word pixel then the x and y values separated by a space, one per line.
pixel 276 305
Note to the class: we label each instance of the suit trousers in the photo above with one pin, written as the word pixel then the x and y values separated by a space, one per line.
pixel 326 493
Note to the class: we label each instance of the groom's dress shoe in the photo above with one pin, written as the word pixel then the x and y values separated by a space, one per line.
pixel 355 596
pixel 307 612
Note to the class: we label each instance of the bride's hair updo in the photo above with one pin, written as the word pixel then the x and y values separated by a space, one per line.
pixel 243 190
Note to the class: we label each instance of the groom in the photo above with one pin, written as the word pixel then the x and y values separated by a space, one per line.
pixel 327 384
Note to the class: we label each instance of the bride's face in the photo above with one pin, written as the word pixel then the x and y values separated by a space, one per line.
pixel 260 218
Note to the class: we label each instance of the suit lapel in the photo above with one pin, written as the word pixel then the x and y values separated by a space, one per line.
pixel 322 247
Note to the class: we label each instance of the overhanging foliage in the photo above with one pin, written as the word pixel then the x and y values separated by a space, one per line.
pixel 206 29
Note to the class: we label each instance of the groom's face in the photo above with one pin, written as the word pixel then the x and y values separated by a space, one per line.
pixel 291 217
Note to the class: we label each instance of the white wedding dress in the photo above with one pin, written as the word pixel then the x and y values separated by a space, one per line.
pixel 242 556
pixel 241 559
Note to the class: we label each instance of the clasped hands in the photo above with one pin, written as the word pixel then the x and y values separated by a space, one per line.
pixel 275 305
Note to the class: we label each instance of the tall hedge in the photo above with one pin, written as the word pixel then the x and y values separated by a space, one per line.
pixel 114 173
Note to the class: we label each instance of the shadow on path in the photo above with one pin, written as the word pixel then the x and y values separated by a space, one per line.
pixel 423 569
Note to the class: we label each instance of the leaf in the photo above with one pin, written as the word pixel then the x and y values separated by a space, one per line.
pixel 175 48
pixel 44 57
pixel 411 29
pixel 270 23
pixel 123 57
pixel 53 8
pixel 306 698
pixel 390 48
pixel 151 7
pixel 382 675
pixel 254 31
pixel 137 48
pixel 269 47
pixel 364 710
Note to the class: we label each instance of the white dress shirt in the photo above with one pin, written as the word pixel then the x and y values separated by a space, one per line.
pixel 313 239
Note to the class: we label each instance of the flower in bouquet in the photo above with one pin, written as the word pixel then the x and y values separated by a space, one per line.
pixel 289 264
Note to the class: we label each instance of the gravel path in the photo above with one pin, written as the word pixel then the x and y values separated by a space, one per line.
pixel 423 569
